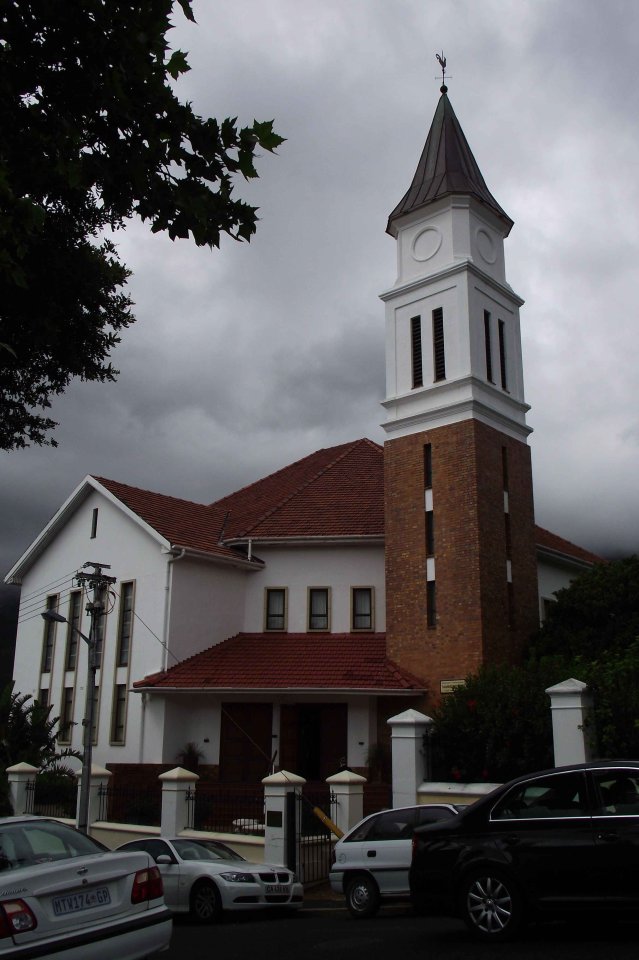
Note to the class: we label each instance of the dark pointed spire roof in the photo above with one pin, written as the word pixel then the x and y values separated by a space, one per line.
pixel 446 166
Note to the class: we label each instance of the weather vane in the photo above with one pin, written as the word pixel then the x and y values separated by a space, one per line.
pixel 441 59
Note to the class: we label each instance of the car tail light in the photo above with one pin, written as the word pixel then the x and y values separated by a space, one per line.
pixel 16 917
pixel 147 885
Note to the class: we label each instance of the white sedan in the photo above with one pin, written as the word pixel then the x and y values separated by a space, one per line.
pixel 64 896
pixel 206 877
pixel 370 863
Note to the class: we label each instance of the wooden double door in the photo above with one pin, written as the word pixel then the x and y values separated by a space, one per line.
pixel 312 741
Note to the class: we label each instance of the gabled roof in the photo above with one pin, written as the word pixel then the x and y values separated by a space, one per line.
pixel 446 166
pixel 337 491
pixel 554 545
pixel 275 661
pixel 182 523
pixel 333 493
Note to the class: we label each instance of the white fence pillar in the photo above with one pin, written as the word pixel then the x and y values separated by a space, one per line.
pixel 282 818
pixel 98 779
pixel 348 789
pixel 407 744
pixel 19 775
pixel 571 705
pixel 176 783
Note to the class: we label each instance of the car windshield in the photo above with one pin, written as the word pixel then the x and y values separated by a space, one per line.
pixel 205 850
pixel 30 842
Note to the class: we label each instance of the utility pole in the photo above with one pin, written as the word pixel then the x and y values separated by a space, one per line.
pixel 96 581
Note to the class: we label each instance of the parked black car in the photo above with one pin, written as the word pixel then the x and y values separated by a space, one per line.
pixel 548 843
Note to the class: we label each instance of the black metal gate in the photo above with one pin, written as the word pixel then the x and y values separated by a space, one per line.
pixel 311 844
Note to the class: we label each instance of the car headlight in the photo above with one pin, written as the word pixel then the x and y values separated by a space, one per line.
pixel 235 877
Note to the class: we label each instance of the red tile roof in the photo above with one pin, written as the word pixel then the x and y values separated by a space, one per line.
pixel 267 661
pixel 334 492
pixel 550 541
pixel 181 522
pixel 337 491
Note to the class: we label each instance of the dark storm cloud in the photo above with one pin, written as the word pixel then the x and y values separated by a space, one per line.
pixel 247 358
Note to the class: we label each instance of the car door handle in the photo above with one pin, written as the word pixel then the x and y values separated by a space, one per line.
pixel 609 837
pixel 371 853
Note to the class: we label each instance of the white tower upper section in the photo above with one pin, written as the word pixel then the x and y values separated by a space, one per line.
pixel 453 342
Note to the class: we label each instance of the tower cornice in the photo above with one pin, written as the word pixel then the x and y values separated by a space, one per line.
pixel 451 271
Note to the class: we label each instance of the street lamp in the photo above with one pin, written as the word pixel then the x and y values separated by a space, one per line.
pixel 52 616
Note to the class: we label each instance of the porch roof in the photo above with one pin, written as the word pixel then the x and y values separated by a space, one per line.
pixel 346 662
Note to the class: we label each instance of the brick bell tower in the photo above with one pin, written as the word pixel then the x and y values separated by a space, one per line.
pixel 461 572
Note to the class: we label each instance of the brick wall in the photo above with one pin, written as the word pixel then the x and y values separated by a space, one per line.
pixel 477 621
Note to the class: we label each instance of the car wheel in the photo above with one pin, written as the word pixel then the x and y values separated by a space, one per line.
pixel 206 906
pixel 491 905
pixel 362 897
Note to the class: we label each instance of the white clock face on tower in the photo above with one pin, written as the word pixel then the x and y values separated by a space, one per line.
pixel 426 243
pixel 485 245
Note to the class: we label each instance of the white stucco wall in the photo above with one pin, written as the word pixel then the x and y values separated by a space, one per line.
pixel 133 555
pixel 207 606
pixel 298 568
pixel 554 575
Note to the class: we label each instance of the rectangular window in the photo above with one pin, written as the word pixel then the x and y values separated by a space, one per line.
pixel 502 353
pixel 66 716
pixel 276 608
pixel 416 351
pixel 430 533
pixel 48 639
pixel 362 606
pixel 439 356
pixel 318 608
pixel 428 466
pixel 488 347
pixel 43 697
pixel 75 614
pixel 431 606
pixel 94 523
pixel 118 721
pixel 125 625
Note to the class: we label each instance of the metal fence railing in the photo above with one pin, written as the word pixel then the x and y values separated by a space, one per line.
pixel 226 808
pixel 130 805
pixel 52 797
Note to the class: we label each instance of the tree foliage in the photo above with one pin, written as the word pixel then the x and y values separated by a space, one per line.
pixel 28 734
pixel 495 727
pixel 498 725
pixel 92 133
pixel 598 613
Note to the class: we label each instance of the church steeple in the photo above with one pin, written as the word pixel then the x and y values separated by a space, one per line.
pixel 461 576
pixel 446 166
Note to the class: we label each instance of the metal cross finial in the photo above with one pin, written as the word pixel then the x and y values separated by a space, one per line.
pixel 441 59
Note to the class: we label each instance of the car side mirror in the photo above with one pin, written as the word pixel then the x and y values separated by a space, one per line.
pixel 164 858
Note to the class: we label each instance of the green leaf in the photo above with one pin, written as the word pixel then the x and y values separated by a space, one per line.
pixel 265 136
pixel 177 64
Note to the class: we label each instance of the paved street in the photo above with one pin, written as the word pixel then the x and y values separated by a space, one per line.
pixel 328 931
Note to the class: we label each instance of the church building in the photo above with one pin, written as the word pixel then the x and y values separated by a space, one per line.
pixel 283 624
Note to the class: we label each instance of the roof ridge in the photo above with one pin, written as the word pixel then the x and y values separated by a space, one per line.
pixel 346 449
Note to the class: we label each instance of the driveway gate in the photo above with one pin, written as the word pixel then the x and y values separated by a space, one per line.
pixel 310 845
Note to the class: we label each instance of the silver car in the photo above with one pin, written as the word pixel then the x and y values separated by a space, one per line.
pixel 206 877
pixel 65 896
pixel 370 863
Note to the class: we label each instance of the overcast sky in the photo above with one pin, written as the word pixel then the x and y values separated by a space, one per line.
pixel 247 358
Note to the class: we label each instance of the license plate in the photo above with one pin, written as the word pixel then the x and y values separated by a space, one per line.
pixel 83 900
pixel 276 888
